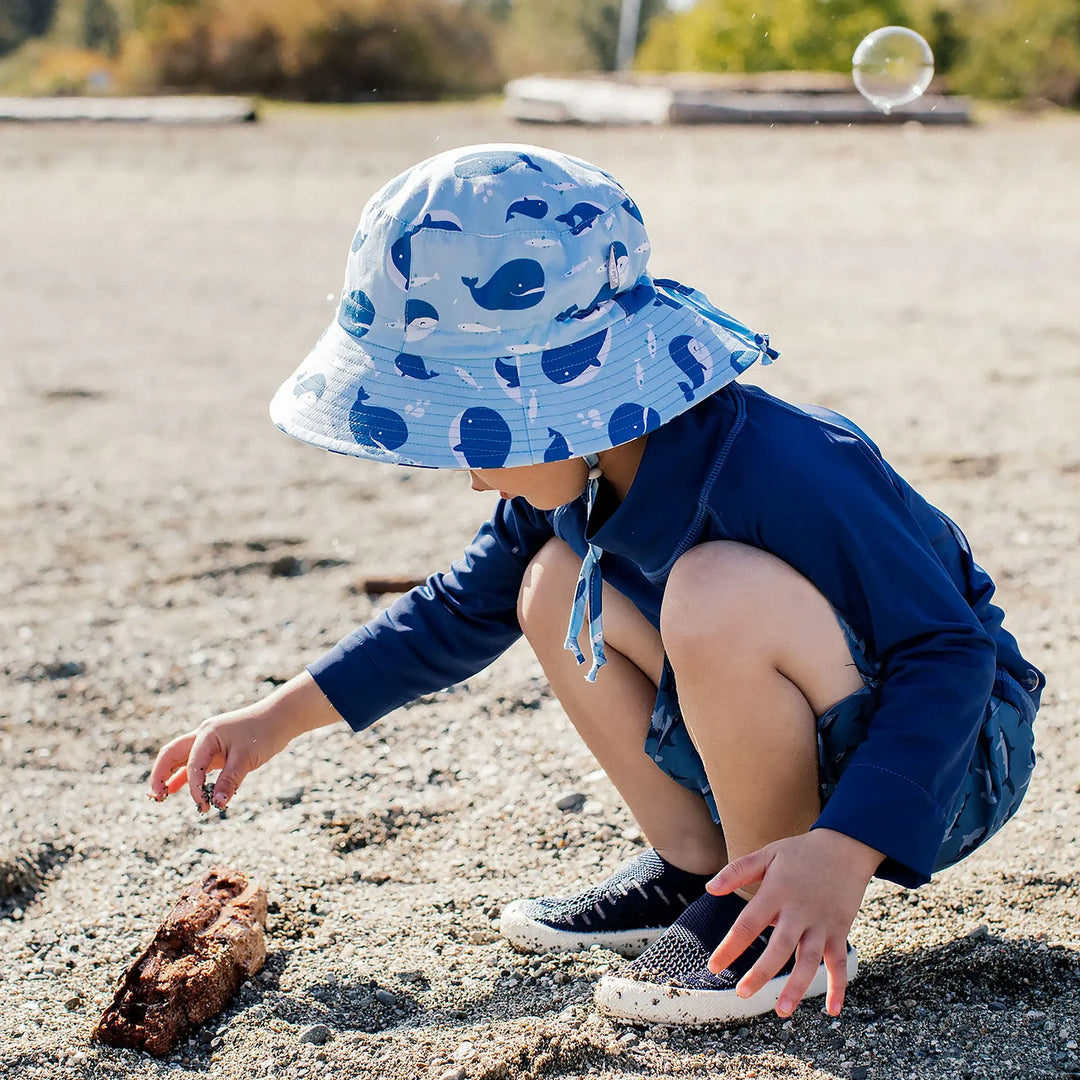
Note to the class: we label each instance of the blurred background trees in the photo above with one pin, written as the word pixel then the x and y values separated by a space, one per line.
pixel 349 50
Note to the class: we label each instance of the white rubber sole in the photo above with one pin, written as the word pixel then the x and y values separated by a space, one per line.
pixel 528 935
pixel 653 1003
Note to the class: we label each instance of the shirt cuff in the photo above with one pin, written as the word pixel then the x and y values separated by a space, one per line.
pixel 891 814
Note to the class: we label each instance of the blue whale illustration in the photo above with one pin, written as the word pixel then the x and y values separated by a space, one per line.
pixel 580 216
pixel 310 384
pixel 633 300
pixel 630 207
pixel 491 163
pixel 741 359
pixel 529 206
pixel 688 364
pixel 356 313
pixel 400 259
pixel 516 285
pixel 629 421
pixel 420 318
pixel 671 286
pixel 506 370
pixel 569 362
pixel 558 449
pixel 375 426
pixel 484 438
pixel 413 367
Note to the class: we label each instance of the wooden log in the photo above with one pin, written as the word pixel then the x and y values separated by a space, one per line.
pixel 211 940
pixel 748 99
pixel 179 109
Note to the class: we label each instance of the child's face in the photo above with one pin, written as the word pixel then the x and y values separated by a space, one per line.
pixel 545 486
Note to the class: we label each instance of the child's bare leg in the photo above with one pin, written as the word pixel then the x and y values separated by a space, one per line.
pixel 758 655
pixel 612 715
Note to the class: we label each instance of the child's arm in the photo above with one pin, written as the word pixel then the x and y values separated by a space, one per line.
pixel 239 742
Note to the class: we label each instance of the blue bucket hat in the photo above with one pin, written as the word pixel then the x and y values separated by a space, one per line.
pixel 497 312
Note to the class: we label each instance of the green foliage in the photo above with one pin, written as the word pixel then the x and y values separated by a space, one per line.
pixel 1019 49
pixel 23 19
pixel 987 48
pixel 563 35
pixel 324 50
pixel 764 35
pixel 101 27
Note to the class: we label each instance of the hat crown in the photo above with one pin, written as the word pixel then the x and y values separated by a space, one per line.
pixel 492 250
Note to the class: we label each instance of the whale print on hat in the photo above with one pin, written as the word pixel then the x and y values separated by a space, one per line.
pixel 512 283
pixel 575 364
pixel 375 426
pixel 529 205
pixel 413 367
pixel 516 284
pixel 482 437
pixel 694 361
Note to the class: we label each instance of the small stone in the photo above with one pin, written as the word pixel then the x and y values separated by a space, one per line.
pixel 72 1003
pixel 453 1074
pixel 860 1072
pixel 572 803
pixel 290 796
pixel 386 998
pixel 632 835
pixel 464 1052
pixel 317 1035
pixel 980 931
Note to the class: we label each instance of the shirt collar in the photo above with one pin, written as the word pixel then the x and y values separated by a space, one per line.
pixel 661 507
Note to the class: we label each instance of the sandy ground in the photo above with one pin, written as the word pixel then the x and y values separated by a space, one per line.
pixel 165 554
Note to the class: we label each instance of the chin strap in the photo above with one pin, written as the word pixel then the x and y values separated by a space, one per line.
pixel 590 586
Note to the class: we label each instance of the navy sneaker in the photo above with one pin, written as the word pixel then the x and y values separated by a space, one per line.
pixel 670 983
pixel 625 913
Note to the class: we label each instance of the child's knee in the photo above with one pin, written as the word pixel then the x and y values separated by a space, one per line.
pixel 547 589
pixel 722 591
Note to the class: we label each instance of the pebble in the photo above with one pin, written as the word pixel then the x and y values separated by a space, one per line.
pixel 386 997
pixel 317 1035
pixel 453 1074
pixel 464 1051
pixel 72 1003
pixel 290 796
pixel 571 803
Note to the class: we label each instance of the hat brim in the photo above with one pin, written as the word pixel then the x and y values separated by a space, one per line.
pixel 639 363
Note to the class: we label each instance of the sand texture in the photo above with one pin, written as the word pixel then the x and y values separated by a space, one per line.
pixel 166 554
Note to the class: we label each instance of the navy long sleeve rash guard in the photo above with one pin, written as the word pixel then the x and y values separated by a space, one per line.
pixel 804 485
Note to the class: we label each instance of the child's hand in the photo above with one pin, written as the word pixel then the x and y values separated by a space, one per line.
pixel 237 743
pixel 811 889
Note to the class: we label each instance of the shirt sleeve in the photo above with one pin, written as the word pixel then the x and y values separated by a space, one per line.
pixel 828 506
pixel 441 632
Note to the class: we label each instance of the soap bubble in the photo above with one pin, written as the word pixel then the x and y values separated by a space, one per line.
pixel 892 66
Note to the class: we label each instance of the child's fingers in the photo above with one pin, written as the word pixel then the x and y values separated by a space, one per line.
pixel 782 943
pixel 177 781
pixel 171 757
pixel 229 780
pixel 807 962
pixel 836 966
pixel 739 873
pixel 746 928
pixel 205 755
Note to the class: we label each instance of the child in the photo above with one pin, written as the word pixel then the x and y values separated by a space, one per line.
pixel 797 680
